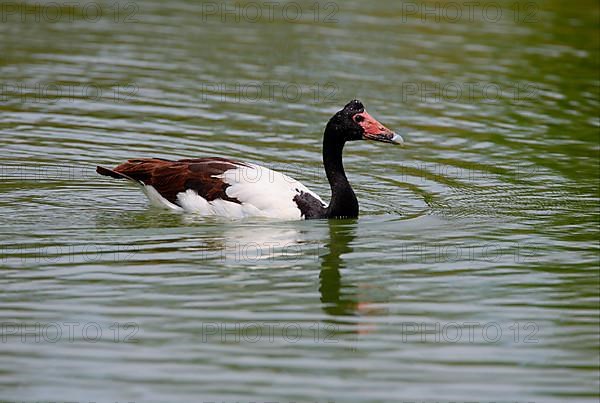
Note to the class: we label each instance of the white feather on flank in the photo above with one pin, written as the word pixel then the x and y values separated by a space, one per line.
pixel 261 191
pixel 157 200
pixel 270 192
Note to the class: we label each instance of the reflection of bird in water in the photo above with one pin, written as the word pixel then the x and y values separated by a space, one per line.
pixel 253 242
pixel 341 234
pixel 342 299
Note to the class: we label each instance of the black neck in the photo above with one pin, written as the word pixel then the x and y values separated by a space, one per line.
pixel 343 200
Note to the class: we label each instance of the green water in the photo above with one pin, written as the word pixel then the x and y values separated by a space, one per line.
pixel 471 275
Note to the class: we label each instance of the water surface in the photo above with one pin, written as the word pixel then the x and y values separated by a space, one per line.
pixel 471 275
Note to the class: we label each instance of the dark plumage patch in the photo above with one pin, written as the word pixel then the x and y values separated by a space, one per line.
pixel 310 206
pixel 170 178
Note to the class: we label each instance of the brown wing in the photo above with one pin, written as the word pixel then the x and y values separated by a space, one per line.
pixel 172 177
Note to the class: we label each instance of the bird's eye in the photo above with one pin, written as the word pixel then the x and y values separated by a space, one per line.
pixel 359 118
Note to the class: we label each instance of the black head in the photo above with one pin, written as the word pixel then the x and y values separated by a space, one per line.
pixel 354 123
